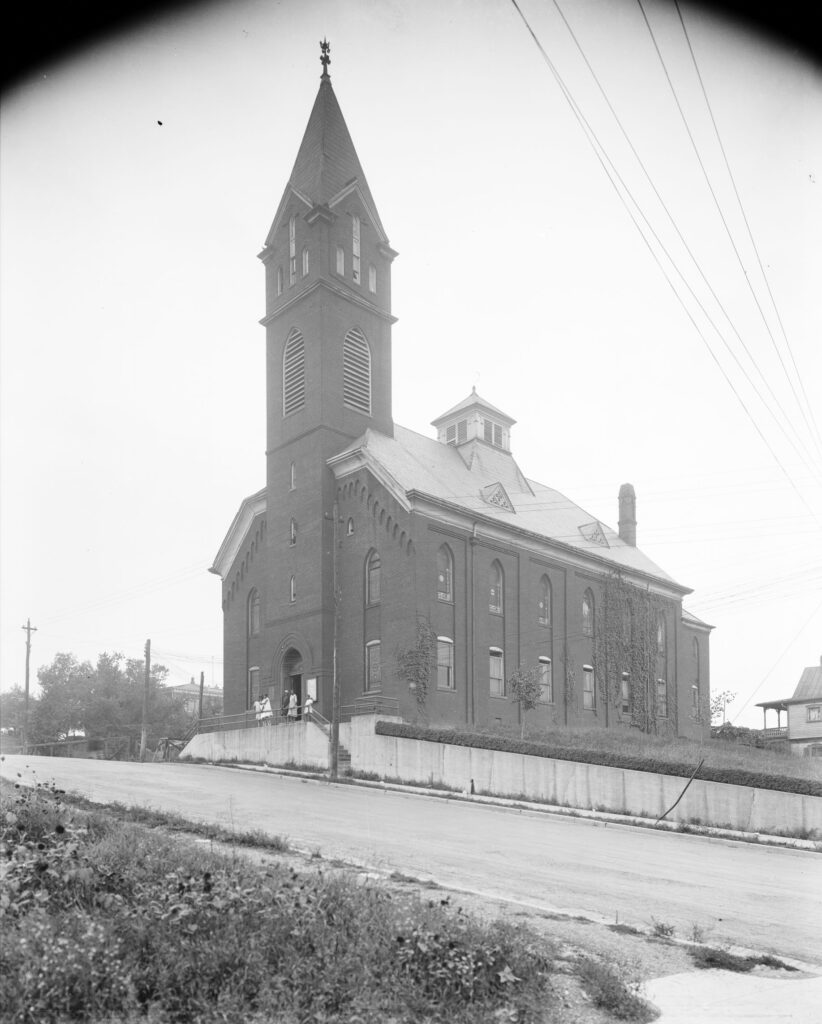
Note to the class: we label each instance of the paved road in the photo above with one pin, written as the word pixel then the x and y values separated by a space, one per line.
pixel 764 898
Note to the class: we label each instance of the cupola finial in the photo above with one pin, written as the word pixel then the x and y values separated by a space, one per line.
pixel 325 60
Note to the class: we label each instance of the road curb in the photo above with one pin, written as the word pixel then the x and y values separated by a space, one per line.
pixel 606 817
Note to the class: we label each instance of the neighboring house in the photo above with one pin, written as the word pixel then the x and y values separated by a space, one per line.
pixel 366 529
pixel 188 694
pixel 803 715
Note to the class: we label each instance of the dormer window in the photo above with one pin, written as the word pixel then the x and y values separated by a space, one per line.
pixel 355 249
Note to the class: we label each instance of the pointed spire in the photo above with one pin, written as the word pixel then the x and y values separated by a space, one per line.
pixel 327 162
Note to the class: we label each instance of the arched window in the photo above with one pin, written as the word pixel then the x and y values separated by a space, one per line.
pixel 305 262
pixel 357 372
pixel 588 613
pixel 660 634
pixel 544 602
pixel 292 589
pixel 495 589
pixel 445 663
pixel 445 574
pixel 292 540
pixel 340 260
pixel 349 529
pixel 254 613
pixel 293 373
pixel 372 278
pixel 372 579
pixel 293 479
pixel 279 280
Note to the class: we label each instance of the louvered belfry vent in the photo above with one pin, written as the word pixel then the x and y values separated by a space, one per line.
pixel 293 373
pixel 357 372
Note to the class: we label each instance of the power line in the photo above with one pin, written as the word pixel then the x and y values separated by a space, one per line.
pixel 810 419
pixel 693 258
pixel 781 656
pixel 602 156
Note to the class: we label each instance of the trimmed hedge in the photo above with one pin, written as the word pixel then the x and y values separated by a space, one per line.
pixel 611 759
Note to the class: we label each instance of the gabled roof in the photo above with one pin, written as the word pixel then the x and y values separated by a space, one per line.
pixel 327 164
pixel 809 686
pixel 417 468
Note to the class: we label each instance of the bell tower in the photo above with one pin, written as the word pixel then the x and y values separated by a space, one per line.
pixel 328 376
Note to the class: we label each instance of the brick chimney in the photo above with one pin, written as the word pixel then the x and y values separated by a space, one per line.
pixel 627 514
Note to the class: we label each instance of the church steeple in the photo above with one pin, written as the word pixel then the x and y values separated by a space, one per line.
pixel 327 166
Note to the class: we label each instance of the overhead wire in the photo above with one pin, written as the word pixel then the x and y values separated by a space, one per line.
pixel 808 416
pixel 602 157
pixel 694 260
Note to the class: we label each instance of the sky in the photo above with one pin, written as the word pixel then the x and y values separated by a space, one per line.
pixel 139 177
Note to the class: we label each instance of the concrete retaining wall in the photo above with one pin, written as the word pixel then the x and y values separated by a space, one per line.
pixel 587 786
pixel 303 743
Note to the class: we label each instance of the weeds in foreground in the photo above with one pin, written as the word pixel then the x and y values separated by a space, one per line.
pixel 101 920
pixel 662 929
pixel 721 959
pixel 609 992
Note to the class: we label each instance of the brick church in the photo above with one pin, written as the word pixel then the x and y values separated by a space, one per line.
pixel 434 544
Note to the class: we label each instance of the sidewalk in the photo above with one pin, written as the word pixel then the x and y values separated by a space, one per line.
pixel 720 997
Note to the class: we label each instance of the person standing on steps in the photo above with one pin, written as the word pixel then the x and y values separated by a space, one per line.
pixel 286 695
pixel 292 708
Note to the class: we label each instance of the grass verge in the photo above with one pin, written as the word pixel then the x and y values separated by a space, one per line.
pixel 102 919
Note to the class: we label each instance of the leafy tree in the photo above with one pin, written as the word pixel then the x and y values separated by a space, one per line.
pixel 12 703
pixel 103 701
pixel 525 689
pixel 719 702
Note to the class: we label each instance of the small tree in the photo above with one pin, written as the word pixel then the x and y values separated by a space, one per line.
pixel 719 702
pixel 525 689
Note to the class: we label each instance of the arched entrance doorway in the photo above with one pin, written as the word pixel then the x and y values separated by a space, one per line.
pixel 292 675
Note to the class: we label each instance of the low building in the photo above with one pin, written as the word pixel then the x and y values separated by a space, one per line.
pixel 188 694
pixel 803 715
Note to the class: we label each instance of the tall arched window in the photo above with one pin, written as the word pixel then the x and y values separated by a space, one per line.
pixel 292 589
pixel 445 574
pixel 357 372
pixel 254 613
pixel 372 579
pixel 279 280
pixel 305 262
pixel 544 602
pixel 496 584
pixel 588 613
pixel 293 373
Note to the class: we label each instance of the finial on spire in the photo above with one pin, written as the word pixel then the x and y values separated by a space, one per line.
pixel 325 60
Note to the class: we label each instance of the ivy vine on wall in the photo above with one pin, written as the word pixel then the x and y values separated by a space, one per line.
pixel 625 647
pixel 415 663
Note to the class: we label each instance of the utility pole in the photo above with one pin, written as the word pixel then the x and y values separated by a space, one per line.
pixel 202 684
pixel 25 738
pixel 144 730
pixel 335 681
